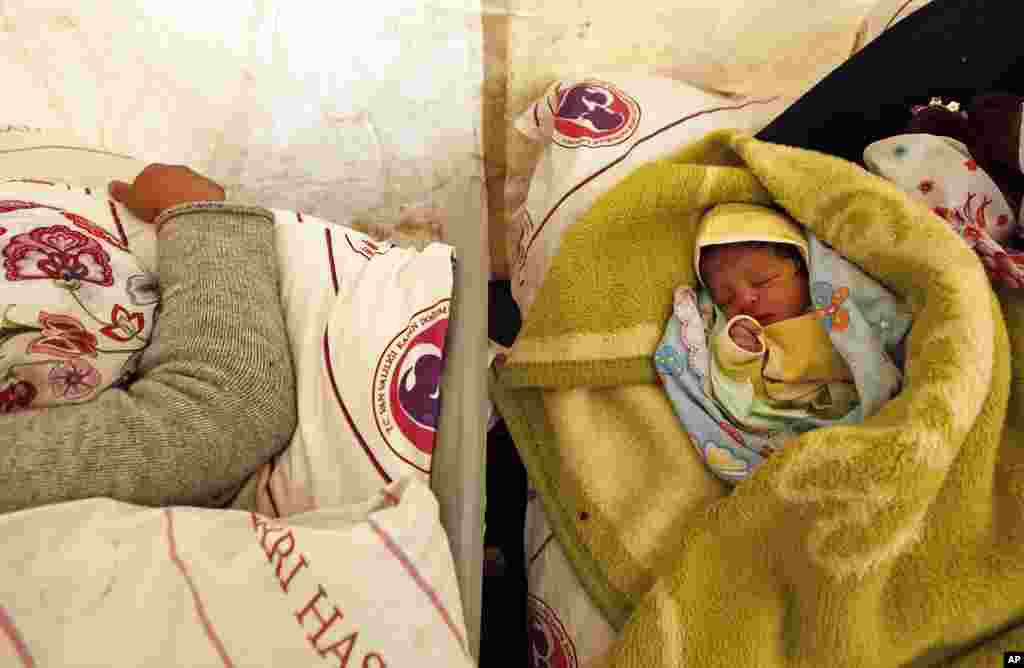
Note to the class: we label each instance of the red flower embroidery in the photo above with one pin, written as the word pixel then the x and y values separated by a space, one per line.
pixel 73 379
pixel 59 253
pixel 926 186
pixel 94 229
pixel 17 397
pixel 1002 220
pixel 968 215
pixel 124 325
pixel 9 205
pixel 971 165
pixel 64 337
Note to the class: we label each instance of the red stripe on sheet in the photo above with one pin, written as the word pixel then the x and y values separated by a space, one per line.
pixel 622 157
pixel 11 631
pixel 200 608
pixel 896 15
pixel 424 586
pixel 344 410
pixel 117 221
pixel 330 258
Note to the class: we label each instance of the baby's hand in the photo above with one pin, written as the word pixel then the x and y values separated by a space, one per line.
pixel 745 335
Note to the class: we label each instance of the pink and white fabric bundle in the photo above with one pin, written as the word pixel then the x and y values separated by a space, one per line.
pixel 942 173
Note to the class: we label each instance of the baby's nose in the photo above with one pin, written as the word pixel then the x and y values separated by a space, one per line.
pixel 746 301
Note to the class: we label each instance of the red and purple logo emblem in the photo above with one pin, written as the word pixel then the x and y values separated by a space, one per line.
pixel 593 114
pixel 550 645
pixel 407 387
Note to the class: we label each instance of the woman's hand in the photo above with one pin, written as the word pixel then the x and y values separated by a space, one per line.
pixel 159 187
pixel 745 335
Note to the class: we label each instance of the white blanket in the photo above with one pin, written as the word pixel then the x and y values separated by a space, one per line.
pixel 101 583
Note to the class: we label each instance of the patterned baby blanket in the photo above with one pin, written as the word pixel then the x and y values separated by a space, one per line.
pixel 864 321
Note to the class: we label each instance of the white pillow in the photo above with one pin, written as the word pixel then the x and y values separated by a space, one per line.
pixel 883 16
pixel 367 324
pixel 58 155
pixel 595 131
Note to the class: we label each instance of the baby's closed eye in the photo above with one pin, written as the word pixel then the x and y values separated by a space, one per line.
pixel 766 280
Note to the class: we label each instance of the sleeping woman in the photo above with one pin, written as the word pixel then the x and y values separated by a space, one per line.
pixel 213 400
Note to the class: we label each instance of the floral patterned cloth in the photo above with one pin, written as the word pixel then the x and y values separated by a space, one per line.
pixel 77 308
pixel 865 322
pixel 941 172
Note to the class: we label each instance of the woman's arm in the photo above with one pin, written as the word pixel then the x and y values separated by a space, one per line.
pixel 216 401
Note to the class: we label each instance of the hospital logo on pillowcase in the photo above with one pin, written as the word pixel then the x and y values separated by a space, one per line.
pixel 594 114
pixel 407 386
pixel 550 644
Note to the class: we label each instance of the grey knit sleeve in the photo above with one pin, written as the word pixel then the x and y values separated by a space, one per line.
pixel 215 400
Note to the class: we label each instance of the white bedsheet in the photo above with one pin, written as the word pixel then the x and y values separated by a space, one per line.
pixel 101 583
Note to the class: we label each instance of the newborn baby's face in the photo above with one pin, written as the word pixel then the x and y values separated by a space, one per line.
pixel 754 281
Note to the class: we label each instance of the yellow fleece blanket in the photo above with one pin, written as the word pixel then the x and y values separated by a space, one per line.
pixel 896 542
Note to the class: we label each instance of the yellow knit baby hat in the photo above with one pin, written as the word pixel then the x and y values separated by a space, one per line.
pixel 735 223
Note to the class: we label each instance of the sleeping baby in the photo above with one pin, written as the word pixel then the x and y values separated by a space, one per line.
pixel 767 347
pixel 764 335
